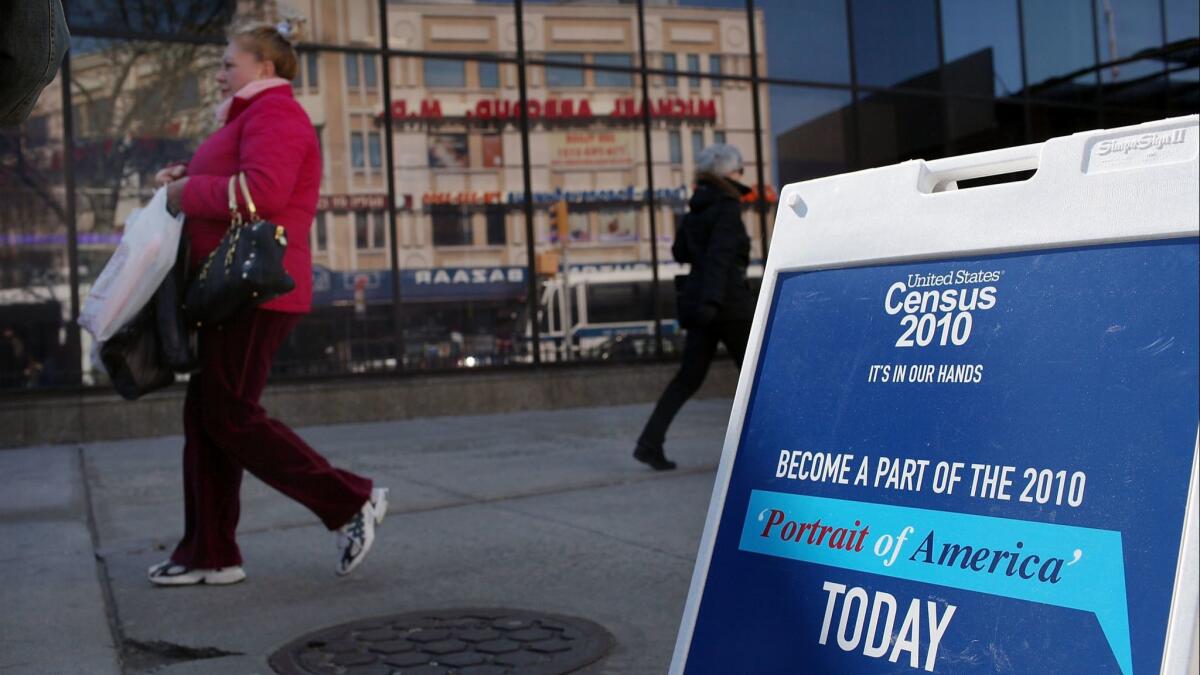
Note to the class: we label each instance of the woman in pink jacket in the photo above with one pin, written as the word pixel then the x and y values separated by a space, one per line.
pixel 266 135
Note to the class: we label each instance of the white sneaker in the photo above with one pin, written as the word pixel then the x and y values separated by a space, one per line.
pixel 354 539
pixel 167 573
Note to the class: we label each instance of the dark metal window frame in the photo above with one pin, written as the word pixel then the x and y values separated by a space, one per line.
pixel 756 80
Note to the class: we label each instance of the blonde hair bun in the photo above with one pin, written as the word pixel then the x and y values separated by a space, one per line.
pixel 274 43
pixel 292 29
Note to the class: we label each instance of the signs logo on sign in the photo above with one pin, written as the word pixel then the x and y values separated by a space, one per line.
pixel 1130 150
pixel 1143 142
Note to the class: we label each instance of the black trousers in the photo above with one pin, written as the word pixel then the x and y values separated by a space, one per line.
pixel 698 352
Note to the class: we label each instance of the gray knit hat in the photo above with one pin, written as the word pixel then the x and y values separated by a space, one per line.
pixel 719 159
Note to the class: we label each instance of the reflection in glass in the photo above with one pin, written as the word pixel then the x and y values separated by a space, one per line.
pixel 558 76
pixel 361 232
pixel 1125 28
pixel 685 20
pixel 321 233
pixel 1051 121
pixel 356 150
pixel 378 230
pixel 164 17
pixel 613 79
pixel 460 230
pixel 893 128
pixel 370 77
pixel 1183 28
pixel 451 226
pixel 896 43
pixel 462 26
pixel 976 125
pixel 806 40
pixel 1060 48
pixel 811 132
pixel 352 327
pixel 459 224
pixel 449 151
pixel 489 75
pixel 137 107
pixel 313 70
pixel 1118 117
pixel 1130 37
pixel 669 63
pixel 676 141
pixel 375 151
pixel 708 4
pixel 497 225
pixel 1183 19
pixel 445 73
pixel 1183 97
pixel 35 297
pixel 982 47
pixel 595 163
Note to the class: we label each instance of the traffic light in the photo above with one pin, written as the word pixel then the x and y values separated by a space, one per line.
pixel 562 221
pixel 547 264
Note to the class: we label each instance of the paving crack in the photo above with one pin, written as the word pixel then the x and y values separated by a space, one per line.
pixel 144 657
pixel 134 656
pixel 110 603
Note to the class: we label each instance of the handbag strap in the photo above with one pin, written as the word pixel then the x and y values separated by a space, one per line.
pixel 235 214
pixel 249 200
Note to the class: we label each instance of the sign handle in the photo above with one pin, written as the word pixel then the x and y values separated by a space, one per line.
pixel 940 175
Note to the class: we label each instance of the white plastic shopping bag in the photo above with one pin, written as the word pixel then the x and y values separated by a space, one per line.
pixel 141 262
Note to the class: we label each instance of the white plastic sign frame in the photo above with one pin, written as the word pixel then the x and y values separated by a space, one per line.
pixel 1101 187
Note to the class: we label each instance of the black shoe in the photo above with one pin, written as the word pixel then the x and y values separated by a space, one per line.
pixel 654 457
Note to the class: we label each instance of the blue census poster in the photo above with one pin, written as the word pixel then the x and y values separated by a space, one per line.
pixel 977 465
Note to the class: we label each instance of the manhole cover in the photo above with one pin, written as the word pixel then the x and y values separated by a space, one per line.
pixel 448 642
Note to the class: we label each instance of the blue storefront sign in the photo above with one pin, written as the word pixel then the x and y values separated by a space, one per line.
pixel 441 284
pixel 968 465
pixel 625 195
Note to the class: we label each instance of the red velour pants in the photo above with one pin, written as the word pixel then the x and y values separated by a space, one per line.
pixel 226 431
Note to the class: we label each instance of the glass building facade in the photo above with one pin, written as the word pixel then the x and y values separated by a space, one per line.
pixel 435 245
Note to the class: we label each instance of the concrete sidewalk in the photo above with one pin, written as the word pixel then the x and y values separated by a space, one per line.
pixel 543 511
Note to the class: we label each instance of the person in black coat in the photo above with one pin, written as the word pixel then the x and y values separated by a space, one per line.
pixel 716 302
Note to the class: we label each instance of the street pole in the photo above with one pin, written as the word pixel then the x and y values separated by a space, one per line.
pixel 568 323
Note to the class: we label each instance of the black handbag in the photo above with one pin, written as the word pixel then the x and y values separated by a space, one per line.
pixel 147 352
pixel 177 339
pixel 246 268
pixel 133 357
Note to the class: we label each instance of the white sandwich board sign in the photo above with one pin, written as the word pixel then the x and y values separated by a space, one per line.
pixel 965 435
